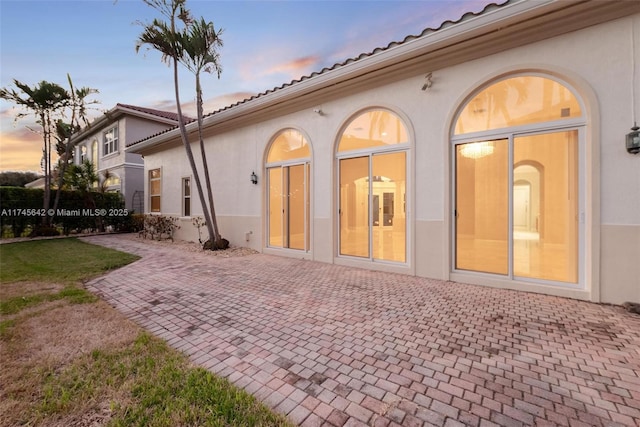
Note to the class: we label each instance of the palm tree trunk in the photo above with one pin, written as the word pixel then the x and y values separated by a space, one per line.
pixel 46 157
pixel 61 172
pixel 217 237
pixel 192 163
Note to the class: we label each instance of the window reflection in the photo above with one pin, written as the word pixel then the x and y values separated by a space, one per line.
pixel 289 144
pixel 377 128
pixel 517 101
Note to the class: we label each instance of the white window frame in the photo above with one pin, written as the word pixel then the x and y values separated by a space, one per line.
pixel 159 195
pixel 110 146
pixel 510 133
pixel 369 152
pixel 186 197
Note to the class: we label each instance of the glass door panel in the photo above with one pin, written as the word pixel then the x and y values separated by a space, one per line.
pixel 296 207
pixel 354 206
pixel 389 184
pixel 482 206
pixel 545 236
pixel 275 207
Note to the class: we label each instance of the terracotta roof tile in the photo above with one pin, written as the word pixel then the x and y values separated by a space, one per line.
pixel 164 114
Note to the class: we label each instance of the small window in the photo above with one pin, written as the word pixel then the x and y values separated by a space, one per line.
pixel 155 179
pixel 110 141
pixel 186 196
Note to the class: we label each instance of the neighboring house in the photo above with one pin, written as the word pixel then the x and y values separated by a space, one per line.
pixel 36 183
pixel 490 151
pixel 103 144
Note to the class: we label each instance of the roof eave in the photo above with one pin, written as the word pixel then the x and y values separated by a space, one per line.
pixel 114 114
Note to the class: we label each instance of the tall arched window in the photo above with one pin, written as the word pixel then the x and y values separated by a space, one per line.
pixel 288 183
pixel 518 180
pixel 94 154
pixel 372 168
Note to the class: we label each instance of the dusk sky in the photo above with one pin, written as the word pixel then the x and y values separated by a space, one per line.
pixel 266 44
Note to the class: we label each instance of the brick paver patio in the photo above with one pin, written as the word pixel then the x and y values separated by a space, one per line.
pixel 335 346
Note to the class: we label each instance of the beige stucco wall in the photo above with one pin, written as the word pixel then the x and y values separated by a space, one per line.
pixel 596 61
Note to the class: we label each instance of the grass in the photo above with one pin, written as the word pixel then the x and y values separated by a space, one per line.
pixel 120 376
pixel 162 388
pixel 72 294
pixel 57 261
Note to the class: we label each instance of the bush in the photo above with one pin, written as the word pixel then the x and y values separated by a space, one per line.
pixel 44 230
pixel 159 227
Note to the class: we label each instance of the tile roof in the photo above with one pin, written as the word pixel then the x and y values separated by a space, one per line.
pixel 164 114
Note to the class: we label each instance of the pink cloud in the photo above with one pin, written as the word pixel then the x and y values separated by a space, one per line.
pixel 296 67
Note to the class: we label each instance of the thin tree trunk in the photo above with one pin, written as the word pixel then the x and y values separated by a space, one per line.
pixel 217 237
pixel 61 172
pixel 47 179
pixel 192 163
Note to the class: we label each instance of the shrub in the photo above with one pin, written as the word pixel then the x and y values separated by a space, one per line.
pixel 17 205
pixel 159 227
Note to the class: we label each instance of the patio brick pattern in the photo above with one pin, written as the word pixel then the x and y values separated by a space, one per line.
pixel 329 345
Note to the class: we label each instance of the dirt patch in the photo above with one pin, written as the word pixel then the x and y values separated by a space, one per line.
pixel 44 339
pixel 94 326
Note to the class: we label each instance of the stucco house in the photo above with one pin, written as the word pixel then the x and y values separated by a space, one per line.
pixel 489 151
pixel 104 141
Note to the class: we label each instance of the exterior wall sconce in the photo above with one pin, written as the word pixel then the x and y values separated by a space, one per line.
pixel 254 178
pixel 633 140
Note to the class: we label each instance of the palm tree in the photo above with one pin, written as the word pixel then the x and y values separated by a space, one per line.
pixel 43 100
pixel 200 42
pixel 195 46
pixel 65 131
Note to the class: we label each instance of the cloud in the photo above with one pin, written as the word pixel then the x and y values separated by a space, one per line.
pixel 295 68
pixel 264 70
pixel 20 150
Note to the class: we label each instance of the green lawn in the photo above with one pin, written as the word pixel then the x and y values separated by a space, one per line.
pixel 57 261
pixel 140 382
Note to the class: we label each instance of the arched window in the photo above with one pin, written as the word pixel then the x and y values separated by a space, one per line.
pixel 516 153
pixel 372 168
pixel 94 153
pixel 288 182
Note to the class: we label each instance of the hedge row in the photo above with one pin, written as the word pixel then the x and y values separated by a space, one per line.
pixel 21 211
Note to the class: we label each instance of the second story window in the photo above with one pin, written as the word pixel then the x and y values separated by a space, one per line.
pixel 110 141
